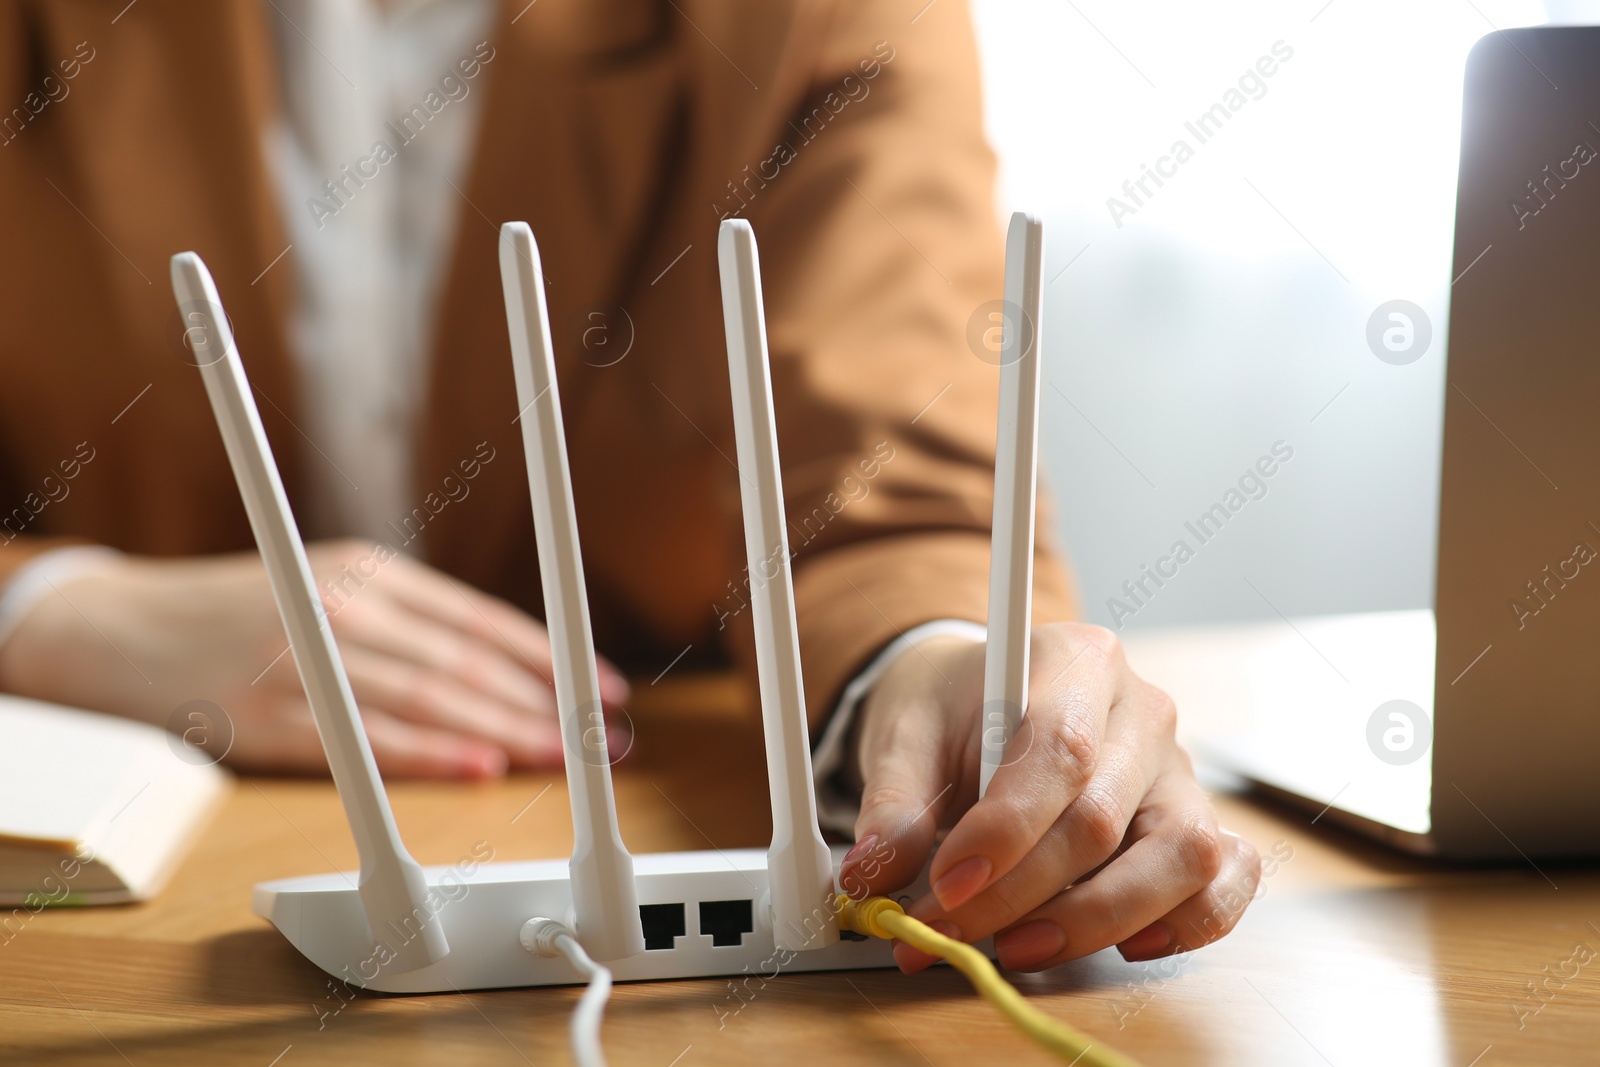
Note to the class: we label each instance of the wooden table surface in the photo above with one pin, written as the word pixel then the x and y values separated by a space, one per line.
pixel 1350 956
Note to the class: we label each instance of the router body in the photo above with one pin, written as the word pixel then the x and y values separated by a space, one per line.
pixel 704 914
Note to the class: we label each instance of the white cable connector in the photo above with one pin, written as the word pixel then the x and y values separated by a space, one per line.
pixel 539 936
pixel 547 937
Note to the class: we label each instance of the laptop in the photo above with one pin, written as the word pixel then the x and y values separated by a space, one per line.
pixel 1470 731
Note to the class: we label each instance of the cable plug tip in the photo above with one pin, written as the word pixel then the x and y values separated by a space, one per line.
pixel 866 916
pixel 539 936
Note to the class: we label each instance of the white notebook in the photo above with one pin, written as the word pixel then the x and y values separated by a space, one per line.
pixel 94 809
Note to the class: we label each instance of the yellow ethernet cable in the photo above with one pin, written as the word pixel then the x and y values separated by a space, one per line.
pixel 882 917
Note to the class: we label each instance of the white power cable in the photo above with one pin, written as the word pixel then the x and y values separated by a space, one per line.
pixel 547 937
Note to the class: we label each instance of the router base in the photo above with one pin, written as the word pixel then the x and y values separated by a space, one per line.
pixel 704 915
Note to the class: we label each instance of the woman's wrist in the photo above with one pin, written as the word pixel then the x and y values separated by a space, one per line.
pixel 36 614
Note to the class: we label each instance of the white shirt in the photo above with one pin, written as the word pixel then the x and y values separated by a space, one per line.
pixel 364 169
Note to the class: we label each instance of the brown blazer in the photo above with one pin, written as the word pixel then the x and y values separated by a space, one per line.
pixel 847 132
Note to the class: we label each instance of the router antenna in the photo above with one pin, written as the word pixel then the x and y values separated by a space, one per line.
pixel 394 891
pixel 799 867
pixel 605 902
pixel 1016 469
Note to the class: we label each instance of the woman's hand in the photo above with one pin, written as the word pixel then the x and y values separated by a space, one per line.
pixel 1093 832
pixel 451 683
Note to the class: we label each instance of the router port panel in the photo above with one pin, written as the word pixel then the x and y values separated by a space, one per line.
pixel 727 921
pixel 663 925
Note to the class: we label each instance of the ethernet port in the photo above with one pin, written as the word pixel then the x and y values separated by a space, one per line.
pixel 663 924
pixel 727 921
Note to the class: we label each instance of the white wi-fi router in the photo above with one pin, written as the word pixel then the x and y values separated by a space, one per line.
pixel 399 927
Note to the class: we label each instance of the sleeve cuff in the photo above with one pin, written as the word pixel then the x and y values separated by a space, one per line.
pixel 36 578
pixel 836 808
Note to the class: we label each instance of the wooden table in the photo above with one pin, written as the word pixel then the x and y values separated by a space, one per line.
pixel 1351 955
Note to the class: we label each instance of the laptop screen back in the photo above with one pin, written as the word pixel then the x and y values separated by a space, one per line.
pixel 1517 701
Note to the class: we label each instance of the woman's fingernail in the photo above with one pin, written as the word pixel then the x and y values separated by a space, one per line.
pixel 489 763
pixel 1154 940
pixel 614 685
pixel 962 882
pixel 911 960
pixel 1030 945
pixel 858 851
pixel 851 881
